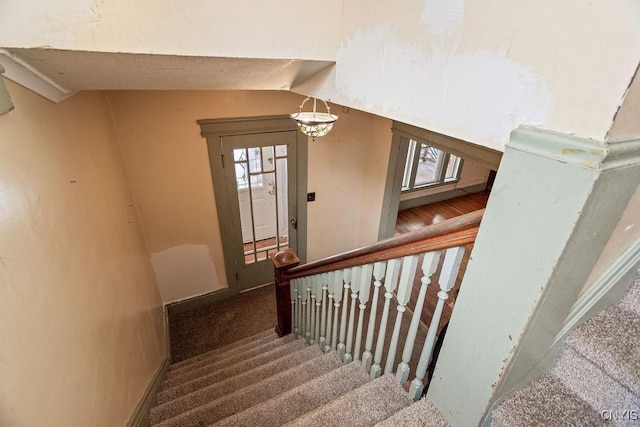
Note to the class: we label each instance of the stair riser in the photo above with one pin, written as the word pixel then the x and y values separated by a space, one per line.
pixel 252 395
pixel 228 372
pixel 588 381
pixel 269 334
pixel 203 396
pixel 232 357
pixel 218 354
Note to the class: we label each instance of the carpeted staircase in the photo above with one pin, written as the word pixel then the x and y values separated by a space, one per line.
pixel 269 381
pixel 596 380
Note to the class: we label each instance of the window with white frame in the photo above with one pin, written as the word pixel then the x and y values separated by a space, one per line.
pixel 427 166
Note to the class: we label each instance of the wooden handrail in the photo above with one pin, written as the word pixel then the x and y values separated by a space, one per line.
pixel 453 232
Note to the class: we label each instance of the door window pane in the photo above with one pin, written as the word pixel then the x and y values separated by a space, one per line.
pixel 261 181
pixel 268 159
pixel 255 160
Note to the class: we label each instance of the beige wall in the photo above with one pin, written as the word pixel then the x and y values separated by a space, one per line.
pixel 624 235
pixel 347 170
pixel 168 166
pixel 164 27
pixel 473 69
pixel 626 124
pixel 81 323
pixel 377 150
pixel 478 69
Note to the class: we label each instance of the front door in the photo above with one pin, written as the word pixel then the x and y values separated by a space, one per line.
pixel 260 179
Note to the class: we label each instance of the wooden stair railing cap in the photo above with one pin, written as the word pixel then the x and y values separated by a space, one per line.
pixel 456 231
pixel 285 258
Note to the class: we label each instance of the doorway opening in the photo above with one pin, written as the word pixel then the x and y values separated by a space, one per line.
pixel 259 169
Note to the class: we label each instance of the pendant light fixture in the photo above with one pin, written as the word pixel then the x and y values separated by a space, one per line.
pixel 313 123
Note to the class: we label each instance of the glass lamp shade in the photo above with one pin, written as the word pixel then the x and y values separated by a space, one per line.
pixel 313 123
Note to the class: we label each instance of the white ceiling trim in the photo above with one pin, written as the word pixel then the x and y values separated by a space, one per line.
pixel 25 75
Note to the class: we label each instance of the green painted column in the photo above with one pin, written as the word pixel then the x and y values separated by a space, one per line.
pixel 553 207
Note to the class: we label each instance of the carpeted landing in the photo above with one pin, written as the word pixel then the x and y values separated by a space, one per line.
pixel 596 380
pixel 264 380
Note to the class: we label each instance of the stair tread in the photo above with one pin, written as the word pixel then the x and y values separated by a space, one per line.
pixel 593 385
pixel 229 371
pixel 420 413
pixel 609 340
pixel 262 336
pixel 212 356
pixel 301 399
pixel 242 399
pixel 545 402
pixel 207 394
pixel 364 406
pixel 231 357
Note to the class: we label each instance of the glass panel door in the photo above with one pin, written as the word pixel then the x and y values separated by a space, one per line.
pixel 263 199
pixel 261 184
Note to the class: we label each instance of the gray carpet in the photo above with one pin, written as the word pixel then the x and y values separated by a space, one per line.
pixel 215 325
pixel 421 414
pixel 596 380
pixel 268 381
pixel 263 380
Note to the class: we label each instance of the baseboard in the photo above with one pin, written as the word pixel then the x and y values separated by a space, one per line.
pixel 167 333
pixel 140 416
pixel 441 197
pixel 606 291
pixel 200 300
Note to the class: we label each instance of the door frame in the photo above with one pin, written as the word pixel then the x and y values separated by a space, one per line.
pixel 214 130
pixel 402 133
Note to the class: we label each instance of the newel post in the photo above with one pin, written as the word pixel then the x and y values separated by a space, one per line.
pixel 282 262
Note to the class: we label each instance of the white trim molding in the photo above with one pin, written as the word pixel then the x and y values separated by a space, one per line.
pixel 25 75
pixel 599 295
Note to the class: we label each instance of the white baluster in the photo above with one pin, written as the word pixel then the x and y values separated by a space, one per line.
pixel 450 267
pixel 363 296
pixel 323 320
pixel 303 307
pixel 337 297
pixel 318 292
pixel 310 306
pixel 330 286
pixel 378 273
pixel 390 283
pixel 409 266
pixel 294 300
pixel 429 266
pixel 345 305
pixel 355 286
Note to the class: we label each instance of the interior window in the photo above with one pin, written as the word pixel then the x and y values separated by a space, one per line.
pixel 428 166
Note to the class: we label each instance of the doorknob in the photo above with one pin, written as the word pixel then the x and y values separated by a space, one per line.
pixel 294 223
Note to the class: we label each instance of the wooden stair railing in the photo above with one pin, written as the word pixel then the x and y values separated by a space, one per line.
pixel 307 294
pixel 453 232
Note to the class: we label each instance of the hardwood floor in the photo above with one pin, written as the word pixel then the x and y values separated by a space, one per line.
pixel 415 218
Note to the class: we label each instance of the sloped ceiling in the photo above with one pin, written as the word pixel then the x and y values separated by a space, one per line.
pixel 71 71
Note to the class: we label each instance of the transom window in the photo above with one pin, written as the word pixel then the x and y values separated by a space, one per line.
pixel 427 166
